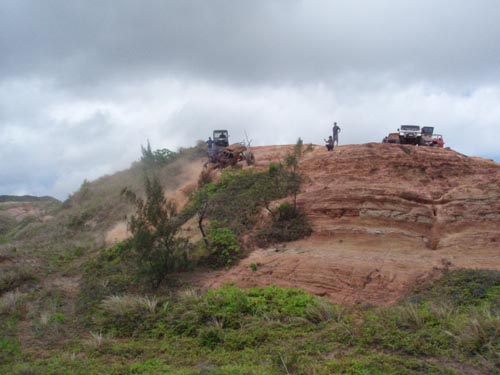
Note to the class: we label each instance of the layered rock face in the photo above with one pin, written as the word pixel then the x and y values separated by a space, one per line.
pixel 385 217
pixel 436 194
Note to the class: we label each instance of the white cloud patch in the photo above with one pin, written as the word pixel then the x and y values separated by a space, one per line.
pixel 84 83
pixel 84 139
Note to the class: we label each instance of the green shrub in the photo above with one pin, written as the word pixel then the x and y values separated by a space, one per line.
pixel 211 336
pixel 287 224
pixel 252 335
pixel 412 329
pixel 233 308
pixel 227 306
pixel 223 246
pixel 280 303
pixel 236 199
pixel 466 287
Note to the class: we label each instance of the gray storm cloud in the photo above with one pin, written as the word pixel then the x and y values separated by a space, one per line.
pixel 83 42
pixel 84 83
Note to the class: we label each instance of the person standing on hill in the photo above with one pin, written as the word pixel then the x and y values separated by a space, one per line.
pixel 336 131
pixel 210 143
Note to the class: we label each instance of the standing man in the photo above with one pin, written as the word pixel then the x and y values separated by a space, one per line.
pixel 336 131
pixel 210 143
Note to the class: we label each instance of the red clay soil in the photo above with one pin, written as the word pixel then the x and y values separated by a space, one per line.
pixel 22 211
pixel 385 217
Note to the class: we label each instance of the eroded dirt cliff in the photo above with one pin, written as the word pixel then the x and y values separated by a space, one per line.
pixel 385 217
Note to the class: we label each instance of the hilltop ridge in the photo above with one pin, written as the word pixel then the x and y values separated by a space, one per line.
pixel 26 198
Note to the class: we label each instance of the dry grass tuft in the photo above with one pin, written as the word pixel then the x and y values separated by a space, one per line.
pixel 10 302
pixel 149 303
pixel 324 311
pixel 412 316
pixel 188 295
pixel 97 340
pixel 122 305
pixel 481 334
pixel 15 277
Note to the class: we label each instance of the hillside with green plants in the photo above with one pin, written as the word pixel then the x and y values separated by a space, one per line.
pixel 73 303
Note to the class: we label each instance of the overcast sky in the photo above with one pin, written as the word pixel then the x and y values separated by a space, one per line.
pixel 83 83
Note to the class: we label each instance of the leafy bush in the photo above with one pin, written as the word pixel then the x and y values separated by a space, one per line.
pixel 238 197
pixel 232 308
pixel 281 303
pixel 223 246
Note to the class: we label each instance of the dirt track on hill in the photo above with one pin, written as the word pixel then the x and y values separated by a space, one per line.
pixel 385 217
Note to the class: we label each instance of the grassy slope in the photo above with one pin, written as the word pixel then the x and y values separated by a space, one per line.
pixel 268 331
pixel 58 314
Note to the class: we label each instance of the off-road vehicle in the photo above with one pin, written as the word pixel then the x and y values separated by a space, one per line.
pixel 410 134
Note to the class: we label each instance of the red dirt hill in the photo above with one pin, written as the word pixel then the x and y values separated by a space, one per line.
pixel 385 217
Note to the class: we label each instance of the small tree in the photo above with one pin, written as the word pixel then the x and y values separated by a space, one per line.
pixel 292 162
pixel 158 157
pixel 147 154
pixel 154 240
pixel 298 147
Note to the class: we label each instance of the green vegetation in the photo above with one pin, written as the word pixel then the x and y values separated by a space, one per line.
pixel 288 224
pixel 236 202
pixel 154 242
pixel 7 223
pixel 271 330
pixel 158 157
pixel 224 246
pixel 69 304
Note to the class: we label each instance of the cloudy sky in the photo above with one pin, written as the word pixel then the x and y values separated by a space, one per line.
pixel 84 83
